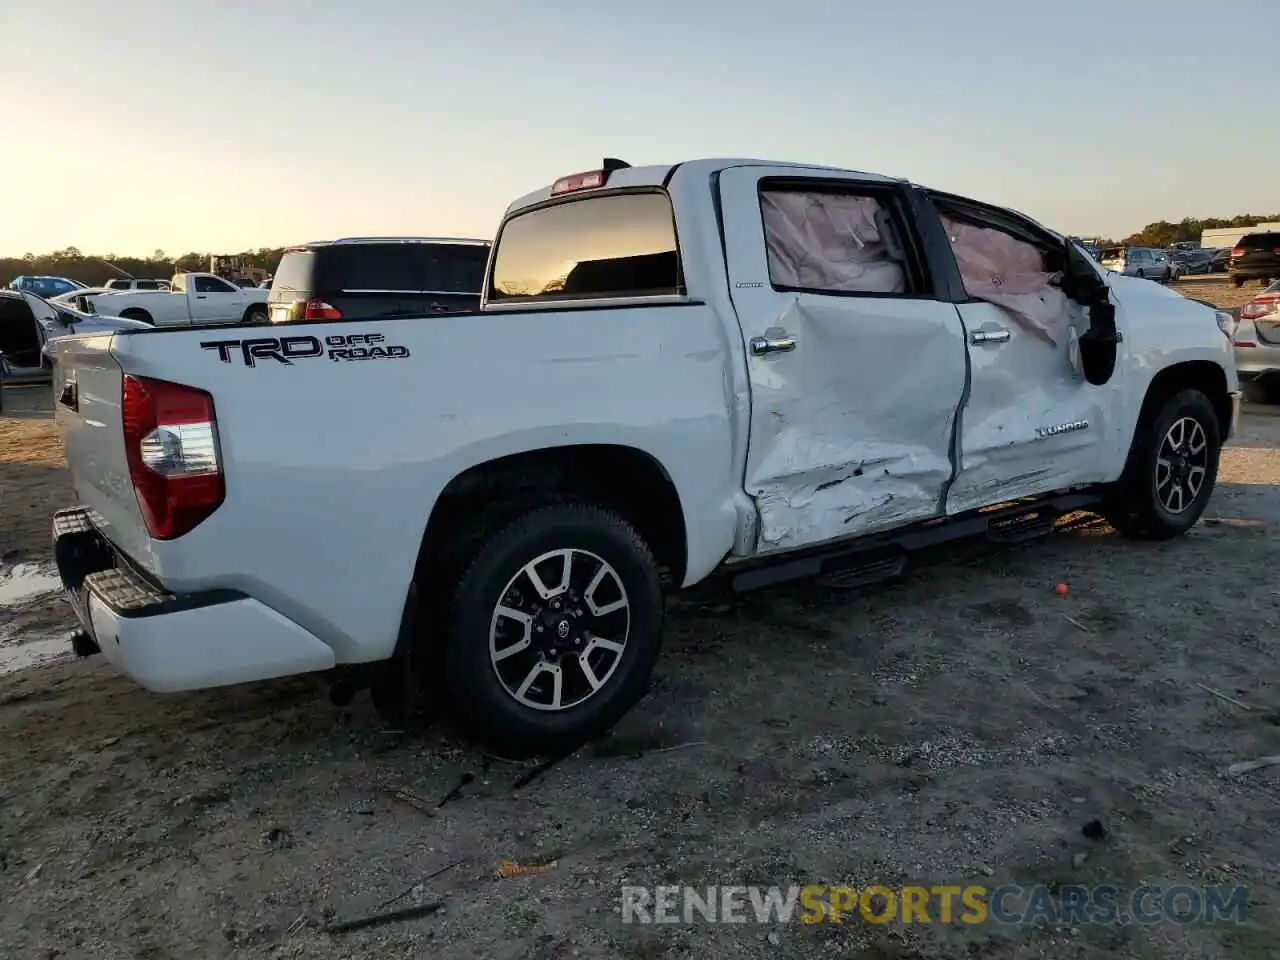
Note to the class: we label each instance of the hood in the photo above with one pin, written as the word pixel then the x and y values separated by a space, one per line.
pixel 1130 288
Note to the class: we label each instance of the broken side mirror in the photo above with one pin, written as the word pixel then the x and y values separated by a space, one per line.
pixel 1099 344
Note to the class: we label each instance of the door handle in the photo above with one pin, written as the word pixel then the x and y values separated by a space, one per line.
pixel 202 296
pixel 990 336
pixel 763 346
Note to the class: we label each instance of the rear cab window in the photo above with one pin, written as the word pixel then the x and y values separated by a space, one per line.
pixel 1259 241
pixel 598 247
pixel 293 275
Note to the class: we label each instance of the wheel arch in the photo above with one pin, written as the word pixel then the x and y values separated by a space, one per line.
pixel 1204 375
pixel 137 313
pixel 623 478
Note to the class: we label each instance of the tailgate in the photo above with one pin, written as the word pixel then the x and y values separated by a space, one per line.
pixel 87 411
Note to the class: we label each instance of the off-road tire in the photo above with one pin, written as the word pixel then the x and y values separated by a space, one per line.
pixel 1134 507
pixel 481 706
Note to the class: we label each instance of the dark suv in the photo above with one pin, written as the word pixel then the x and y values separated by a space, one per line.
pixel 363 278
pixel 1255 257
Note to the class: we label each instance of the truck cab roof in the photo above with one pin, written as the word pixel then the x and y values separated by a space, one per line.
pixel 658 175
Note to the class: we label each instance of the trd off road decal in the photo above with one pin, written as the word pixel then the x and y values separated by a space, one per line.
pixel 351 346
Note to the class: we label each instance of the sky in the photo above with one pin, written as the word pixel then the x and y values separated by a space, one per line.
pixel 134 125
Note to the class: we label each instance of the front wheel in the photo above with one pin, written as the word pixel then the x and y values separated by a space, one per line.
pixel 1141 274
pixel 1172 469
pixel 554 630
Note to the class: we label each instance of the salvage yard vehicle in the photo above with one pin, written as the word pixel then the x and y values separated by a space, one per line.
pixel 366 278
pixel 1144 263
pixel 1257 343
pixel 28 323
pixel 192 298
pixel 722 367
pixel 1255 257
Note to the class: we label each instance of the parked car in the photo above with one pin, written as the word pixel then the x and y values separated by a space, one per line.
pixel 43 286
pixel 1141 262
pixel 28 323
pixel 1257 344
pixel 740 368
pixel 194 298
pixel 363 278
pixel 133 283
pixel 1221 261
pixel 1191 262
pixel 1255 257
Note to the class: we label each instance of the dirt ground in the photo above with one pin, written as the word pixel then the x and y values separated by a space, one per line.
pixel 962 725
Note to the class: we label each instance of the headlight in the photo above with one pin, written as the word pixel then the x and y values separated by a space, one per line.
pixel 1227 323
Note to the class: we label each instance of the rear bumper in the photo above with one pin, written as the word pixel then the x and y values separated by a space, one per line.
pixel 170 642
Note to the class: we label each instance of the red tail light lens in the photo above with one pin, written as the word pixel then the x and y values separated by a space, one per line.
pixel 1258 308
pixel 171 441
pixel 1237 251
pixel 315 309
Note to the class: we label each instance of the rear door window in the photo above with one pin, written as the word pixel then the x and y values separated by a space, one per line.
pixel 619 245
pixel 450 268
pixel 369 268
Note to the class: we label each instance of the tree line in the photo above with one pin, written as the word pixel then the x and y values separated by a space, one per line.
pixel 96 270
pixel 1162 233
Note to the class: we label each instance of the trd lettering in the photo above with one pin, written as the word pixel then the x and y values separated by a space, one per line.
pixel 281 349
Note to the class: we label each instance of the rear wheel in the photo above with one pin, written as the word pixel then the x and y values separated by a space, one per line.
pixel 1172 469
pixel 135 314
pixel 256 315
pixel 1141 274
pixel 1238 281
pixel 554 630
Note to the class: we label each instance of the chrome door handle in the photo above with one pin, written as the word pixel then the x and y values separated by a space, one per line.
pixel 990 336
pixel 763 346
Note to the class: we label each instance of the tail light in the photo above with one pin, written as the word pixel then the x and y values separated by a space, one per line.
pixel 1237 251
pixel 316 309
pixel 1259 308
pixel 171 441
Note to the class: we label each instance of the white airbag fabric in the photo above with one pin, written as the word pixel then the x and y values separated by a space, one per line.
pixel 1009 273
pixel 828 241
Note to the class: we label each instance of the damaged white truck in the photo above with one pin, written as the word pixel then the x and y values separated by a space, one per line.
pixel 756 369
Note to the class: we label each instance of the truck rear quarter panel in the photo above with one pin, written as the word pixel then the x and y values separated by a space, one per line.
pixel 333 465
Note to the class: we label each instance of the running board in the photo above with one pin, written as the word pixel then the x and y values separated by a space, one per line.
pixel 878 558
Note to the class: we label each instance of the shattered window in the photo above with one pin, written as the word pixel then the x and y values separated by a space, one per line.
pixel 832 242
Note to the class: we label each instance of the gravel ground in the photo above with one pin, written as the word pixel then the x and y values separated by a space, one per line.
pixel 962 725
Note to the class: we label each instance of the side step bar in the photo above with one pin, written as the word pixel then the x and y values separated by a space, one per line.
pixel 882 558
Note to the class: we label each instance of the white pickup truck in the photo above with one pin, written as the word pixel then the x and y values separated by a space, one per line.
pixel 189 298
pixel 735 367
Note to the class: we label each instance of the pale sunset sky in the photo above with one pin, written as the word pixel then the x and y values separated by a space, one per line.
pixel 133 125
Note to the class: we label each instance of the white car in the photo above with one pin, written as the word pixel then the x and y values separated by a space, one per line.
pixel 194 299
pixel 721 367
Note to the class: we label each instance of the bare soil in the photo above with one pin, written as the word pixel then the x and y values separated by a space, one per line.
pixel 961 725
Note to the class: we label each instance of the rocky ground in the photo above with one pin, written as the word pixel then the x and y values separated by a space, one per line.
pixel 963 725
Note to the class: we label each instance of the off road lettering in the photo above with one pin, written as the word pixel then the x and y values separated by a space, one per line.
pixel 362 346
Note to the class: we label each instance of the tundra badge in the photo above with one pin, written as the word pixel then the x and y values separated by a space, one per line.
pixel 1061 428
